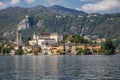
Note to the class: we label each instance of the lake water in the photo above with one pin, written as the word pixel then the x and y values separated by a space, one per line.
pixel 49 67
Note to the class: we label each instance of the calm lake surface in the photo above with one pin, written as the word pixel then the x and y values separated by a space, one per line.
pixel 49 67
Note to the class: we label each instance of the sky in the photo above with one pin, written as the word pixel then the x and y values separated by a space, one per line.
pixel 89 6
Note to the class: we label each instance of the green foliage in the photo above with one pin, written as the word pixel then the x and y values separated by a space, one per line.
pixel 69 51
pixel 108 47
pixel 95 51
pixel 75 39
pixel 4 49
pixel 1 47
pixel 19 52
pixel 86 51
pixel 79 51
pixel 117 43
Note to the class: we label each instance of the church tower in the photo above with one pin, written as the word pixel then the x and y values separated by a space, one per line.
pixel 18 38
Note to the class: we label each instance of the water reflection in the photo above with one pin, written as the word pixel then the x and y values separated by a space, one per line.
pixel 92 67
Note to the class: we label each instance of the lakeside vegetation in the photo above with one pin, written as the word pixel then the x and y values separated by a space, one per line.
pixel 108 47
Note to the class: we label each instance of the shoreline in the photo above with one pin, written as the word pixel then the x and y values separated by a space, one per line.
pixel 32 54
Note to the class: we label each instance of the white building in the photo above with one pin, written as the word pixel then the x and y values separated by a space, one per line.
pixel 57 37
pixel 33 42
pixel 46 39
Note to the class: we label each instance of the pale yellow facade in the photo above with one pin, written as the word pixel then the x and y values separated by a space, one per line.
pixel 56 49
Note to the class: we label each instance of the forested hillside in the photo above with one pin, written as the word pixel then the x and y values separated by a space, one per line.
pixel 59 19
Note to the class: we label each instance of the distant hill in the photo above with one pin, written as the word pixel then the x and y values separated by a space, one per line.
pixel 58 19
pixel 62 10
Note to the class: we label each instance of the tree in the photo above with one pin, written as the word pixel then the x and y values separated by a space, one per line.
pixel 68 50
pixel 1 46
pixel 6 49
pixel 108 47
pixel 79 51
pixel 86 51
pixel 19 52
pixel 75 39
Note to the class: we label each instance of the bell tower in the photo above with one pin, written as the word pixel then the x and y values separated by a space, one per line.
pixel 18 38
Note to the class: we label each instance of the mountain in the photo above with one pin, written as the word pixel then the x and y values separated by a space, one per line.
pixel 63 10
pixel 57 19
pixel 10 17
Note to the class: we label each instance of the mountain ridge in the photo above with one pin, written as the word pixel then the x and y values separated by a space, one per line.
pixel 57 8
pixel 63 20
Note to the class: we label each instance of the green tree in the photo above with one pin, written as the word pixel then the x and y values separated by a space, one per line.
pixel 87 51
pixel 6 49
pixel 77 39
pixel 108 47
pixel 68 50
pixel 79 51
pixel 1 47
pixel 19 52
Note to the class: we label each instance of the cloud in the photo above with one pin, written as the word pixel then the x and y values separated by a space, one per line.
pixel 78 9
pixel 90 0
pixel 53 2
pixel 14 1
pixel 30 1
pixel 2 5
pixel 101 6
pixel 86 0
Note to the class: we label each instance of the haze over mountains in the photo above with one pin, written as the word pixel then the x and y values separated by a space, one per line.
pixel 59 19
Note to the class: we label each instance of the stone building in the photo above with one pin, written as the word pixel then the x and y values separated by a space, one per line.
pixel 46 39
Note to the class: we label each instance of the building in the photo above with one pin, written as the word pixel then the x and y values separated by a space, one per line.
pixel 57 48
pixel 72 47
pixel 33 42
pixel 46 39
pixel 57 37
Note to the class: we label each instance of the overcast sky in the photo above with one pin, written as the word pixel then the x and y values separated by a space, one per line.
pixel 90 6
